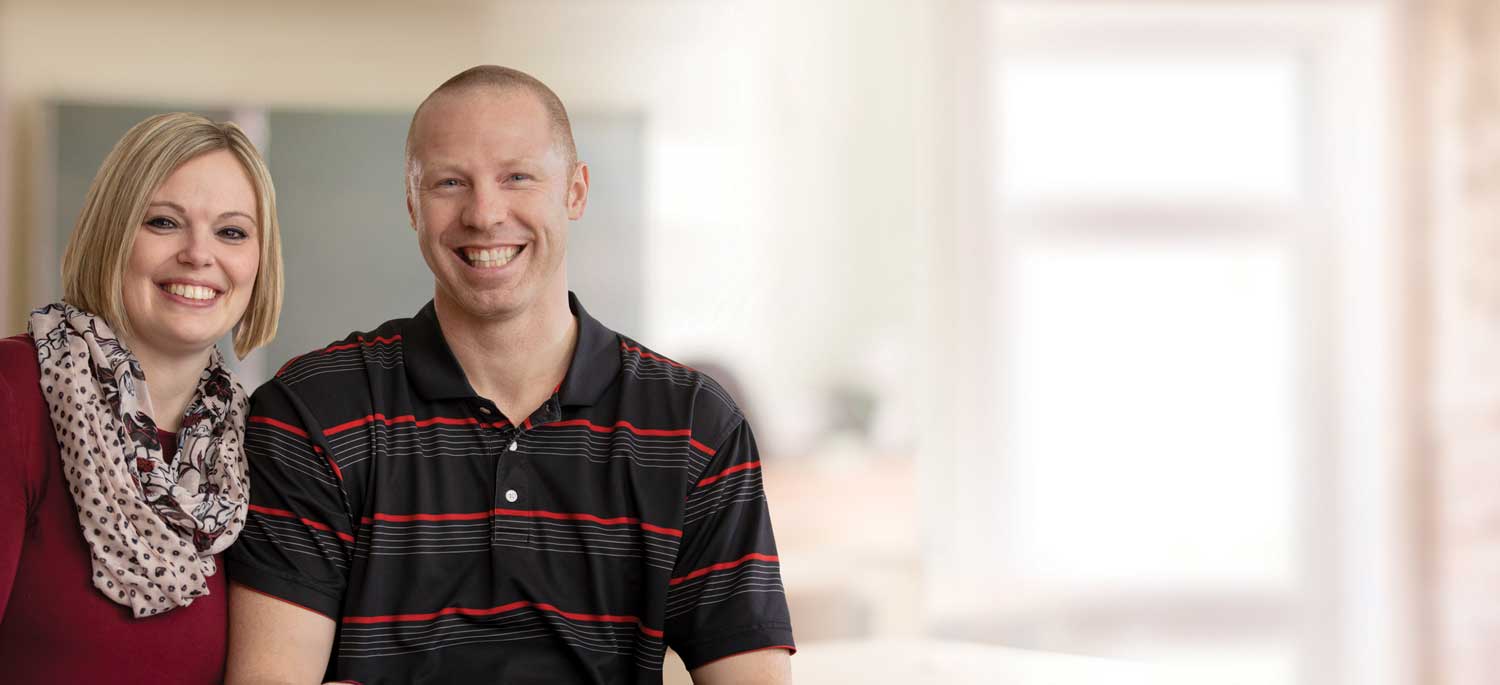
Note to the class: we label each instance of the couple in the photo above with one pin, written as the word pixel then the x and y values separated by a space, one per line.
pixel 498 489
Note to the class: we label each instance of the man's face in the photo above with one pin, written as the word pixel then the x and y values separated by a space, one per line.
pixel 490 197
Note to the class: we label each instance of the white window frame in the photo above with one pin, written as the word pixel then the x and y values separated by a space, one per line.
pixel 1356 595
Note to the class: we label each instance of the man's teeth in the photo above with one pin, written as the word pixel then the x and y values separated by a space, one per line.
pixel 492 257
pixel 191 292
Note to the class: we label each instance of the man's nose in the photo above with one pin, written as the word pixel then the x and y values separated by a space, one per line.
pixel 487 207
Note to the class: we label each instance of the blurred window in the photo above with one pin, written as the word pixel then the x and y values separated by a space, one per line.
pixel 1163 185
pixel 1196 125
pixel 1150 392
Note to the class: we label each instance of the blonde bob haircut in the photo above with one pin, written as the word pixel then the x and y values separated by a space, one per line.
pixel 95 259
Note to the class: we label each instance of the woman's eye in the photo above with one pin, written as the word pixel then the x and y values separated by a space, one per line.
pixel 234 233
pixel 161 222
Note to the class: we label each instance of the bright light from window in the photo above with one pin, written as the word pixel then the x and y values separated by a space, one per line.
pixel 1138 128
pixel 1151 397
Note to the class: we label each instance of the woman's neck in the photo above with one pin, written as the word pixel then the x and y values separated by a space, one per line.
pixel 172 380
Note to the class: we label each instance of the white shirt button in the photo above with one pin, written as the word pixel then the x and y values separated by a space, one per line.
pixel 511 495
pixel 484 410
pixel 514 445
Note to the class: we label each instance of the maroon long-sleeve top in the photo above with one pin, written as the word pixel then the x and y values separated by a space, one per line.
pixel 54 626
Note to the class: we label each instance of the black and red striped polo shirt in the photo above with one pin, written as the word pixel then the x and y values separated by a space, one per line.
pixel 624 516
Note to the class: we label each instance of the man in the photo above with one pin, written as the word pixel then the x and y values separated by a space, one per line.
pixel 500 489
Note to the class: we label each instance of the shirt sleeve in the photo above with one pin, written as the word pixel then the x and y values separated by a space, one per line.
pixel 299 535
pixel 726 595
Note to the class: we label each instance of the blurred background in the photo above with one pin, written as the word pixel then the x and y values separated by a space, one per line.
pixel 1086 342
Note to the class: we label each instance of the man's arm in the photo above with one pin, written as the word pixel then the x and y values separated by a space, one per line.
pixel 273 642
pixel 287 569
pixel 730 623
pixel 762 667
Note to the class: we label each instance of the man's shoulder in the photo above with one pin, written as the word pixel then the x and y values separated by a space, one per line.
pixel 658 379
pixel 344 363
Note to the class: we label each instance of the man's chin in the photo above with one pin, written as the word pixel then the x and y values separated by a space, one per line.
pixel 482 305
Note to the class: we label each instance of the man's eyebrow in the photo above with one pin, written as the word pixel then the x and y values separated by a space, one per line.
pixel 444 165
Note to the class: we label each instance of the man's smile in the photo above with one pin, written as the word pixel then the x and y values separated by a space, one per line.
pixel 490 257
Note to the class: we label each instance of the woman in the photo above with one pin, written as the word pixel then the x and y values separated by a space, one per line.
pixel 121 472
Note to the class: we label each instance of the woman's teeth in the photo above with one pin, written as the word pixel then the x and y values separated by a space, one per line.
pixel 492 257
pixel 191 292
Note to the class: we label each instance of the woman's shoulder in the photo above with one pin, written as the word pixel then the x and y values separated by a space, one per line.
pixel 18 365
pixel 24 420
pixel 20 378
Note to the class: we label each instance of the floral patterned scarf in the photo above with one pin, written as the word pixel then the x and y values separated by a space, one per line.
pixel 152 524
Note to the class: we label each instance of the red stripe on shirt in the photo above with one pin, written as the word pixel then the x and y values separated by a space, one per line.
pixel 361 341
pixel 337 472
pixel 649 355
pixel 282 513
pixel 753 556
pixel 502 609
pixel 335 348
pixel 557 516
pixel 522 513
pixel 279 424
pixel 654 432
pixel 733 469
pixel 647 432
pixel 408 418
pixel 288 363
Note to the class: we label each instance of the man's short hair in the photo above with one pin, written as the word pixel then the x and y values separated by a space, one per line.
pixel 504 79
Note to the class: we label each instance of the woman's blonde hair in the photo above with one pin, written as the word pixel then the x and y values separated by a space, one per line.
pixel 97 253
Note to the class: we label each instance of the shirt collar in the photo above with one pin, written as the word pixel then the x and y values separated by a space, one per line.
pixel 596 359
pixel 430 364
pixel 436 374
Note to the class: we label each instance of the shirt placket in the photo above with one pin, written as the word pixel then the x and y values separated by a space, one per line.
pixel 511 496
pixel 518 440
pixel 500 439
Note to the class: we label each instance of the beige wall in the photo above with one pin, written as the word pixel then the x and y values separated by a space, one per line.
pixel 787 148
pixel 377 54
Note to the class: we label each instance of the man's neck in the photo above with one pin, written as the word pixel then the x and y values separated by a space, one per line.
pixel 514 362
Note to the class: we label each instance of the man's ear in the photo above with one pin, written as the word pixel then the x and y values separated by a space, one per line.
pixel 578 191
pixel 413 172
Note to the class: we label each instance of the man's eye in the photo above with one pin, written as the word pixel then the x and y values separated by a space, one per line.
pixel 520 177
pixel 161 222
pixel 448 183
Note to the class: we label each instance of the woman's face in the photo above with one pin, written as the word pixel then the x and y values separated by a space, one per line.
pixel 196 252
